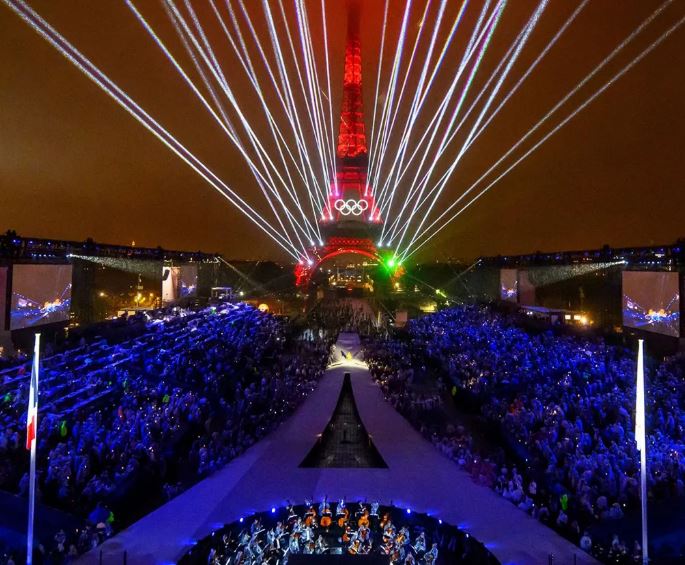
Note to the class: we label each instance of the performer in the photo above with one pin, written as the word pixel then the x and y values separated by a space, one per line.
pixel 324 505
pixel 403 536
pixel 364 534
pixel 344 519
pixel 354 547
pixel 244 538
pixel 254 552
pixel 256 527
pixel 420 545
pixel 374 509
pixel 388 547
pixel 348 535
pixel 294 543
pixel 280 530
pixel 307 534
pixel 272 541
pixel 321 546
pixel 341 508
pixel 364 518
pixel 226 541
pixel 310 514
pixel 326 515
pixel 395 554
pixel 258 552
pixel 432 556
pixel 389 531
pixel 292 516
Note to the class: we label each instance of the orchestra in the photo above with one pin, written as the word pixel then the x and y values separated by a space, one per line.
pixel 326 530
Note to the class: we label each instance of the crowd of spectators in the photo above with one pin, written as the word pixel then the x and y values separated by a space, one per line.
pixel 124 426
pixel 141 419
pixel 330 317
pixel 562 407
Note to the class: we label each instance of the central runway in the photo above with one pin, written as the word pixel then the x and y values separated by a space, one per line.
pixel 417 477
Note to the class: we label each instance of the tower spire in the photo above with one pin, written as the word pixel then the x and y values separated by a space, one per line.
pixel 350 221
pixel 350 197
pixel 351 135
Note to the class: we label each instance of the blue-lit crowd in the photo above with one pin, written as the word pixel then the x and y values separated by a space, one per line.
pixel 142 419
pixel 560 407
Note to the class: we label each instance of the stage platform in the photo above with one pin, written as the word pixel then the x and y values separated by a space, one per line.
pixel 417 477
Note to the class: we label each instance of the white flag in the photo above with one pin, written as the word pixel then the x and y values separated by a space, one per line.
pixel 640 399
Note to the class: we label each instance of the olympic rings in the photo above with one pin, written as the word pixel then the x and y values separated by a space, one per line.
pixel 351 206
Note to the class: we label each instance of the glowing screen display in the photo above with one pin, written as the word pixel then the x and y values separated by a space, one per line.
pixel 651 302
pixel 179 282
pixel 41 294
pixel 508 285
pixel 188 280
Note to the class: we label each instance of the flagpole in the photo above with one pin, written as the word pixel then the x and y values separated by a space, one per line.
pixel 640 438
pixel 643 480
pixel 33 412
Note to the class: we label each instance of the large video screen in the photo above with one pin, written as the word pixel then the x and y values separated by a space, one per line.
pixel 526 289
pixel 41 294
pixel 188 280
pixel 651 302
pixel 170 276
pixel 179 282
pixel 508 285
pixel 3 294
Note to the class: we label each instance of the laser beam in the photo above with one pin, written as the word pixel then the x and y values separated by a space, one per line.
pixel 93 73
pixel 435 123
pixel 519 46
pixel 584 81
pixel 484 41
pixel 227 127
pixel 407 253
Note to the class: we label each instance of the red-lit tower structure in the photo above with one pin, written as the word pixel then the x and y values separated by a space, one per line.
pixel 351 221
